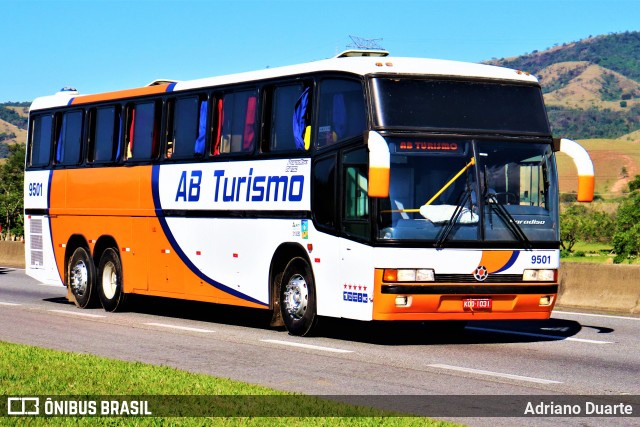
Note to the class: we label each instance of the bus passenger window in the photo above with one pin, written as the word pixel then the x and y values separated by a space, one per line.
pixel 69 138
pixel 184 128
pixel 40 148
pixel 104 134
pixel 342 112
pixel 290 118
pixel 142 131
pixel 237 123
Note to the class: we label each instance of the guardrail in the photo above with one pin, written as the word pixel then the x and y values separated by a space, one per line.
pixel 600 286
pixel 11 254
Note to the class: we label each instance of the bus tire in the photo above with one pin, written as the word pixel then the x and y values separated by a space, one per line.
pixel 110 279
pixel 81 278
pixel 298 298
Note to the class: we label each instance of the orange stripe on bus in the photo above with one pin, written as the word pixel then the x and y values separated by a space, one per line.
pixel 495 260
pixel 128 93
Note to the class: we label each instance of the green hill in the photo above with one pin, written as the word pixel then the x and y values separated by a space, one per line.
pixel 13 125
pixel 591 87
pixel 617 52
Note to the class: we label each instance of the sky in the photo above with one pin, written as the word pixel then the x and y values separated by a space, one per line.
pixel 98 45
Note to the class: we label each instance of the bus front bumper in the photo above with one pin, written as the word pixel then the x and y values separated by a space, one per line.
pixel 462 301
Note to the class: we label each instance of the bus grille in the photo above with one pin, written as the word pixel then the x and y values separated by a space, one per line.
pixel 468 278
pixel 35 243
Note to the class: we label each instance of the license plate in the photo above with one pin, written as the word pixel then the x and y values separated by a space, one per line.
pixel 477 303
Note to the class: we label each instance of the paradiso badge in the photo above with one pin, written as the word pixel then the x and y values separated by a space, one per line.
pixel 481 273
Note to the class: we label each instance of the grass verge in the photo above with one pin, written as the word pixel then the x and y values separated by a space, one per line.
pixel 32 371
pixel 595 253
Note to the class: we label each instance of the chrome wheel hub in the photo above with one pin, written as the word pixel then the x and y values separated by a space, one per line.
pixel 296 297
pixel 78 278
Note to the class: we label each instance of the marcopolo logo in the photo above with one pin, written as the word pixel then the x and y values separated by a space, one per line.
pixel 481 273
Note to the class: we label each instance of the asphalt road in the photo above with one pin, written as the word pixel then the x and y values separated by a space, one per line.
pixel 571 354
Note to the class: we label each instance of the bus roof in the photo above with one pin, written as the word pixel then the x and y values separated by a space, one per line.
pixel 345 62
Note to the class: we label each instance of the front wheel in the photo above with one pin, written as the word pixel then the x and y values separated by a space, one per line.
pixel 81 278
pixel 110 288
pixel 298 298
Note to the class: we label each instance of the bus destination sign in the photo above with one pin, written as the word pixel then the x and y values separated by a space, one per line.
pixel 428 146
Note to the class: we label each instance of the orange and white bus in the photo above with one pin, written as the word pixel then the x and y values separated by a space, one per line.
pixel 362 186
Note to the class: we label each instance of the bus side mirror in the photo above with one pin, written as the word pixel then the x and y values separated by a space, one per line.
pixel 379 165
pixel 580 156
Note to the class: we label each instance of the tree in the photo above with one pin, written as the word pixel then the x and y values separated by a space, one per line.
pixel 635 184
pixel 624 173
pixel 572 226
pixel 626 240
pixel 11 189
pixel 578 222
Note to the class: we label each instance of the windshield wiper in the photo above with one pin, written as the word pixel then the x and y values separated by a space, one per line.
pixel 464 197
pixel 507 218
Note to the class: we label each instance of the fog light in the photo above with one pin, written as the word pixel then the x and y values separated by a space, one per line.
pixel 546 300
pixel 403 301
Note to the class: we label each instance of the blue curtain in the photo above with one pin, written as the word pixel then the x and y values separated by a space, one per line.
pixel 119 137
pixel 202 129
pixel 298 119
pixel 60 147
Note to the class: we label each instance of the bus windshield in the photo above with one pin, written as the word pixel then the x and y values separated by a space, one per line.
pixel 453 190
pixel 412 103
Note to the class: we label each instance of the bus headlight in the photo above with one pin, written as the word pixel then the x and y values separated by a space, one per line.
pixel 409 275
pixel 406 275
pixel 425 275
pixel 539 276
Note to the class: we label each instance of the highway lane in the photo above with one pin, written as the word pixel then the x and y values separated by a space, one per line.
pixel 572 353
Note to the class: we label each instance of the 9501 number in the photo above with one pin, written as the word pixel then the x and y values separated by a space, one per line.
pixel 35 189
pixel 541 259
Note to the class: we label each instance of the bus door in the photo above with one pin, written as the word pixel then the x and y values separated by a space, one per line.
pixel 356 269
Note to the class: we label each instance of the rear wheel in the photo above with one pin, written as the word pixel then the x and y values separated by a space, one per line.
pixel 81 278
pixel 110 288
pixel 298 298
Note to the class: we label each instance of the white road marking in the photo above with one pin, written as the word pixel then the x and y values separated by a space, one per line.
pixel 494 374
pixel 12 304
pixel 531 334
pixel 308 346
pixel 182 328
pixel 606 316
pixel 78 313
